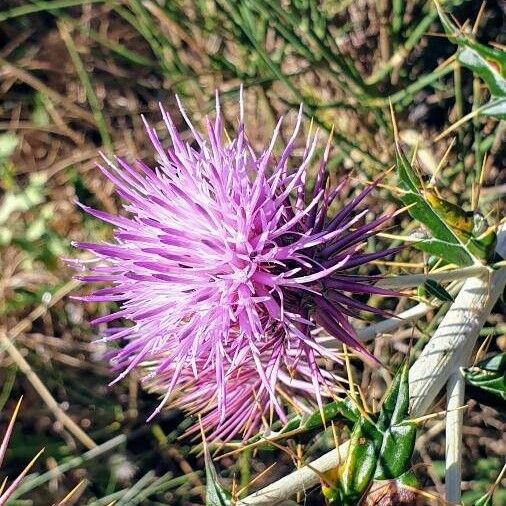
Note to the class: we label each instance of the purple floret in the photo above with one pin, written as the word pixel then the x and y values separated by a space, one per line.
pixel 224 270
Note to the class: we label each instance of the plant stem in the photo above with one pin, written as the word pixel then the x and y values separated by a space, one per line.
pixel 402 53
pixel 23 10
pixel 412 280
pixel 91 96
pixel 454 420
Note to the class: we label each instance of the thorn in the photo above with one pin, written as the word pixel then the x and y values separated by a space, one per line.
pixel 479 18
pixel 480 181
pixel 394 123
pixel 415 151
pixel 443 160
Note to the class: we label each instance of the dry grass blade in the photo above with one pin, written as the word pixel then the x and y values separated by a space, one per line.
pixel 91 96
pixel 44 393
pixel 38 85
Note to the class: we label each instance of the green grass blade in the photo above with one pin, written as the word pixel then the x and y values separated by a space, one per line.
pixel 86 82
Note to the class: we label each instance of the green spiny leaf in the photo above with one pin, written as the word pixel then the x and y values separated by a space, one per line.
pixel 489 376
pixel 378 450
pixel 444 242
pixel 398 437
pixel 342 409
pixel 216 495
pixel 435 289
pixel 361 460
pixel 487 62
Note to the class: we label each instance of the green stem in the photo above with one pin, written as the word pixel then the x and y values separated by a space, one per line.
pixel 400 55
pixel 50 5
pixel 245 466
pixel 95 106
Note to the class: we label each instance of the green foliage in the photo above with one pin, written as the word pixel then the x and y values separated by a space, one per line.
pixel 487 62
pixel 444 241
pixel 8 143
pixel 343 410
pixel 486 490
pixel 484 500
pixel 33 235
pixel 435 289
pixel 489 376
pixel 398 435
pixel 216 495
pixel 453 235
pixel 380 447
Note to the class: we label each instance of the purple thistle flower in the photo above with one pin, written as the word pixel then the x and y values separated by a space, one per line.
pixel 249 401
pixel 225 273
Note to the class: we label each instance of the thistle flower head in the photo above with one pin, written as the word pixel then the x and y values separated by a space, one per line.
pixel 225 272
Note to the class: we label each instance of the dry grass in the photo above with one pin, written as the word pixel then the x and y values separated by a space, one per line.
pixel 75 80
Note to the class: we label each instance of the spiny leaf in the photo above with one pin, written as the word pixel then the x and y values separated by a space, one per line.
pixel 380 448
pixel 435 289
pixel 216 495
pixel 344 410
pixel 488 72
pixel 487 62
pixel 444 242
pixel 465 39
pixel 398 438
pixel 357 470
pixel 489 376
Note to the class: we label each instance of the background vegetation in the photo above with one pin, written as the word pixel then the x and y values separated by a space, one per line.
pixel 75 75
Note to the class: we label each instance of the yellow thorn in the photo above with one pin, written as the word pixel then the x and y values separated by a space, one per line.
pixel 363 399
pixel 404 238
pixel 3 485
pixel 478 18
pixel 404 265
pixel 394 123
pixel 415 151
pixel 461 121
pixel 480 183
pixel 349 374
pixel 71 493
pixel 432 415
pixel 443 160
pixel 16 410
pixel 482 349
